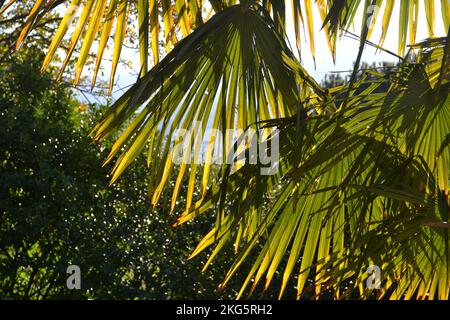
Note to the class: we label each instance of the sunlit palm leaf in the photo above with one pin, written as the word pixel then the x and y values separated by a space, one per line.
pixel 175 14
pixel 184 16
pixel 364 168
pixel 231 73
pixel 371 190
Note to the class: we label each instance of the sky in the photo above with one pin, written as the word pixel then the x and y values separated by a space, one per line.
pixel 347 48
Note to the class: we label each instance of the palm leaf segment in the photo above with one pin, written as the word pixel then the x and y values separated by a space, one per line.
pixel 166 21
pixel 360 186
pixel 232 72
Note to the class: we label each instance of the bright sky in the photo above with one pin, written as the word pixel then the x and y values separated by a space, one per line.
pixel 347 48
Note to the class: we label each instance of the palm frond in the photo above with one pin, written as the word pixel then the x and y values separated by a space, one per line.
pixel 231 73
pixel 179 18
pixel 364 168
pixel 363 185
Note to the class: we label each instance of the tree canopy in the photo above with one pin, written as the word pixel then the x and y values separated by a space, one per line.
pixel 363 171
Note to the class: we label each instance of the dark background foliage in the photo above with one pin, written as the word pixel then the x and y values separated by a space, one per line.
pixel 56 208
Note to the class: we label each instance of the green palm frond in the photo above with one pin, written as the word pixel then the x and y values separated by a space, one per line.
pixel 166 21
pixel 342 15
pixel 361 186
pixel 231 73
pixel 364 168
pixel 97 18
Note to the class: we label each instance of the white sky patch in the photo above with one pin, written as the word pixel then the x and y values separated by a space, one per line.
pixel 347 48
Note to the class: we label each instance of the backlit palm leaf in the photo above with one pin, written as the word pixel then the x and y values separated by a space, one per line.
pixel 230 73
pixel 368 185
pixel 97 18
pixel 364 168
pixel 174 16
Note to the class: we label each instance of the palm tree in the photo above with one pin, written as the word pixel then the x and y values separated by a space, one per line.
pixel 363 173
